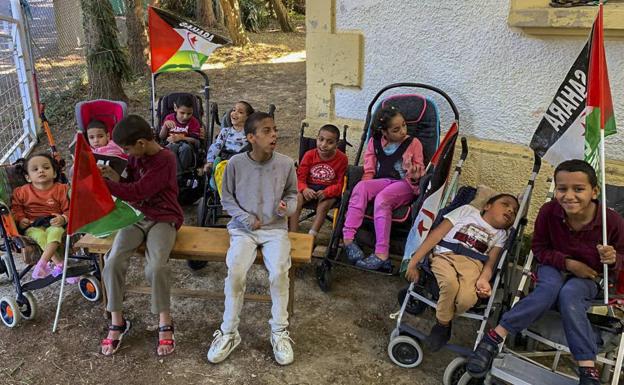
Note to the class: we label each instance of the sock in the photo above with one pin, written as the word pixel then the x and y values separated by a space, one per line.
pixel 589 372
pixel 493 337
pixel 313 233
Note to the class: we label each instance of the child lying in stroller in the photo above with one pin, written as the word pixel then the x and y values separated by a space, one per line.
pixel 40 209
pixel 182 131
pixel 466 246
pixel 567 243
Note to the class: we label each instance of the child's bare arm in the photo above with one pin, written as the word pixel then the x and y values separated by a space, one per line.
pixel 428 244
pixel 488 267
pixel 164 130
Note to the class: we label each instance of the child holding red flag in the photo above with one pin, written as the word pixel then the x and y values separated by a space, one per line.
pixel 151 188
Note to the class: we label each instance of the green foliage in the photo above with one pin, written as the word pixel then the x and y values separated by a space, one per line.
pixel 106 55
pixel 184 8
pixel 254 14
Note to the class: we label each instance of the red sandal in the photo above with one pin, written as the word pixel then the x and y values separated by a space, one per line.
pixel 116 343
pixel 166 341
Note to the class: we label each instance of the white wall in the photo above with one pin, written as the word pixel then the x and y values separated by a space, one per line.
pixel 501 79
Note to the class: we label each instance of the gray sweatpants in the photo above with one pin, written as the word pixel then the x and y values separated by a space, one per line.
pixel 159 239
pixel 240 256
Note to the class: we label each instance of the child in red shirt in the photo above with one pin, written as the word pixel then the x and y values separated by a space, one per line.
pixel 320 177
pixel 182 131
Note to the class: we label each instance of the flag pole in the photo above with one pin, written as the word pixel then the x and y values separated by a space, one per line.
pixel 603 207
pixel 60 300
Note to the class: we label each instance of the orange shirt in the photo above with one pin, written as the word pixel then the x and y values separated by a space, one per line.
pixel 28 202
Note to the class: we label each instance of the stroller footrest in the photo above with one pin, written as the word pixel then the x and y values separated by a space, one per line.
pixel 74 271
pixel 515 370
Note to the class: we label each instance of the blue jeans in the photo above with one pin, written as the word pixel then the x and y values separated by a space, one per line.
pixel 572 296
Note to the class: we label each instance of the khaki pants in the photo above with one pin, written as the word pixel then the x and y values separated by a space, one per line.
pixel 457 276
pixel 159 239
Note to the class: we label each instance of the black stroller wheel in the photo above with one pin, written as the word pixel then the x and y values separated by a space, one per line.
pixel 196 265
pixel 323 276
pixel 414 306
pixel 454 372
pixel 405 352
pixel 28 309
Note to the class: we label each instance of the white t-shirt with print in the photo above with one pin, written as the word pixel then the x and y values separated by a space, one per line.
pixel 472 231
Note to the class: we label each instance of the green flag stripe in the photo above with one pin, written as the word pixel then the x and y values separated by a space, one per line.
pixel 123 215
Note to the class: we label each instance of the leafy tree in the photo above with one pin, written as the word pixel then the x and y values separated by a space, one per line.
pixel 137 36
pixel 107 64
pixel 231 10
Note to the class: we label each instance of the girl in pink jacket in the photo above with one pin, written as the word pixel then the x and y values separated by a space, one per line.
pixel 393 164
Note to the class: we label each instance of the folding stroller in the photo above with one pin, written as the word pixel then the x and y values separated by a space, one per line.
pixel 24 305
pixel 404 347
pixel 423 122
pixel 190 181
pixel 307 143
pixel 518 363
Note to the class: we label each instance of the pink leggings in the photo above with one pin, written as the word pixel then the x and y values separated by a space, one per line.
pixel 388 194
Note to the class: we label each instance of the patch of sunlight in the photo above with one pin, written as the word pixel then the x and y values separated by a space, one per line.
pixel 213 66
pixel 294 57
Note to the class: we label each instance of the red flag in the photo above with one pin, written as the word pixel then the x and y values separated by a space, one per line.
pixel 598 90
pixel 90 198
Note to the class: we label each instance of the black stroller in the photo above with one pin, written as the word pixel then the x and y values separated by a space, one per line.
pixel 423 122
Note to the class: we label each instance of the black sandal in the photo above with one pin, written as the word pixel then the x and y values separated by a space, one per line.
pixel 480 361
pixel 116 343
pixel 166 341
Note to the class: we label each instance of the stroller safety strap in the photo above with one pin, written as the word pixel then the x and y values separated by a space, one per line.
pixel 463 250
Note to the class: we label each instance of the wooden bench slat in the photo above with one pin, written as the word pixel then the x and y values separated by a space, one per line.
pixel 206 244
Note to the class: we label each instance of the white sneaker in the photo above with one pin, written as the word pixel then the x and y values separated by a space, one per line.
pixel 282 348
pixel 222 346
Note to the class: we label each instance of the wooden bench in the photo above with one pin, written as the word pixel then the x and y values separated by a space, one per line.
pixel 211 245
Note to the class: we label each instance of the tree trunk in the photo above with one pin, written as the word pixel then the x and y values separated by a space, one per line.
pixel 219 13
pixel 282 16
pixel 107 64
pixel 231 9
pixel 137 37
pixel 204 13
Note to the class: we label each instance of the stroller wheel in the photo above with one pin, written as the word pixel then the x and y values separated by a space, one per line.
pixel 405 352
pixel 202 212
pixel 90 288
pixel 323 276
pixel 196 265
pixel 455 371
pixel 9 312
pixel 4 266
pixel 28 310
pixel 414 306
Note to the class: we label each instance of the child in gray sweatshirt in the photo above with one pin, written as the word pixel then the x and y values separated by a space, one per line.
pixel 259 192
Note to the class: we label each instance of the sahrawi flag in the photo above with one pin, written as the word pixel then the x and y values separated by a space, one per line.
pixel 92 209
pixel 437 172
pixel 582 107
pixel 177 44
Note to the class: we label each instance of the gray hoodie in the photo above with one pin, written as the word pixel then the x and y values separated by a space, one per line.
pixel 253 190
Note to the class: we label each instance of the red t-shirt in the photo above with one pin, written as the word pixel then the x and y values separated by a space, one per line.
pixel 315 171
pixel 191 128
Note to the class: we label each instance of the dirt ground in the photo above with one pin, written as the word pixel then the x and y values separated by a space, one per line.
pixel 340 337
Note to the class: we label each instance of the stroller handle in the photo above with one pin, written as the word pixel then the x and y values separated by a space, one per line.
pixel 537 162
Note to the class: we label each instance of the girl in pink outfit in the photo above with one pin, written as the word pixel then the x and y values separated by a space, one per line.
pixel 393 164
pixel 100 141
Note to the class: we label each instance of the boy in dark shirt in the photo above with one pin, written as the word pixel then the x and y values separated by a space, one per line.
pixel 567 242
pixel 151 188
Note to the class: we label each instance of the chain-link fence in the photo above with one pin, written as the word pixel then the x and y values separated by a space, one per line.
pixel 17 119
pixel 56 39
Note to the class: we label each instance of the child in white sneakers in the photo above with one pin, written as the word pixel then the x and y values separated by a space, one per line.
pixel 259 192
